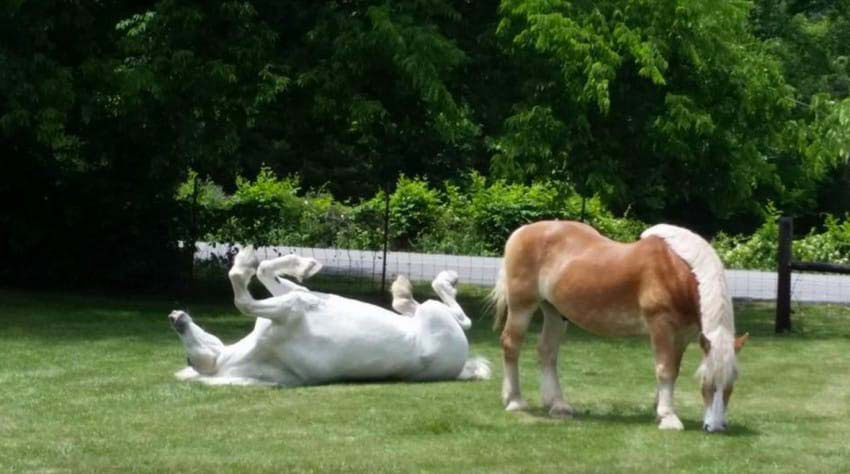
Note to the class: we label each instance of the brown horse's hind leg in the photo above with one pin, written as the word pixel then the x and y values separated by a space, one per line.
pixel 669 348
pixel 554 327
pixel 512 336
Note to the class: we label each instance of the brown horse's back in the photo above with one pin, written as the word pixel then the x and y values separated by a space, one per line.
pixel 606 287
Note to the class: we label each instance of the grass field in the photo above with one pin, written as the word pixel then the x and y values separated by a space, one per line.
pixel 86 385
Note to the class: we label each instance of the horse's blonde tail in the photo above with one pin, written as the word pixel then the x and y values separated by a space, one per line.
pixel 715 303
pixel 498 299
pixel 475 368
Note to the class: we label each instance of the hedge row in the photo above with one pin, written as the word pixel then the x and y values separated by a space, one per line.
pixel 471 217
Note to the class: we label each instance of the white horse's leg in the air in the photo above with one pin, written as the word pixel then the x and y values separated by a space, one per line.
pixel 277 307
pixel 445 285
pixel 403 302
pixel 301 268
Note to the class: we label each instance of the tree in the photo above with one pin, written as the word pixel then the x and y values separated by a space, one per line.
pixel 372 93
pixel 812 39
pixel 662 107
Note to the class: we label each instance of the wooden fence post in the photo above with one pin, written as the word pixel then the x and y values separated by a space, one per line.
pixel 783 283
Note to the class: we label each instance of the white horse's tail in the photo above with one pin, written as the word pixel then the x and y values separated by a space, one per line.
pixel 475 368
pixel 715 302
pixel 498 299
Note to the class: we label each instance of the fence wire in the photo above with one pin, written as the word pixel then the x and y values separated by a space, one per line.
pixel 363 269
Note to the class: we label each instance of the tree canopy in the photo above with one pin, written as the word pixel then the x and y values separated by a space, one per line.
pixel 701 113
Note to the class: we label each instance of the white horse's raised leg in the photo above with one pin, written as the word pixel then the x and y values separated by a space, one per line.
pixel 551 394
pixel 403 302
pixel 269 271
pixel 278 307
pixel 445 285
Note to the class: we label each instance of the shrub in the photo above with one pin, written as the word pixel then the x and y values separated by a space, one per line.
pixel 363 226
pixel 413 209
pixel 833 245
pixel 758 251
pixel 471 218
pixel 454 230
pixel 755 252
pixel 478 219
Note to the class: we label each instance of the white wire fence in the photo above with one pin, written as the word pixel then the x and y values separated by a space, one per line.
pixel 366 267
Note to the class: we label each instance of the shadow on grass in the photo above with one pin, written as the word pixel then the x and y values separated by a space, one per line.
pixel 540 415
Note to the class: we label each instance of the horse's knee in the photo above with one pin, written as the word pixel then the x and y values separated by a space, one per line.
pixel 666 372
pixel 511 343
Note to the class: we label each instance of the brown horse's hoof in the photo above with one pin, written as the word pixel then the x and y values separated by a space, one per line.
pixel 561 411
pixel 671 423
pixel 516 405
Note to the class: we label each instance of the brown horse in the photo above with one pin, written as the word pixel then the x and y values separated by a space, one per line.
pixel 669 284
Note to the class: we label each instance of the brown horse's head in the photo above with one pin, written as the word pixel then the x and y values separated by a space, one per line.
pixel 718 372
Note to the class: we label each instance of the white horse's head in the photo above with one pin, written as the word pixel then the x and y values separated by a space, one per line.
pixel 202 348
pixel 718 372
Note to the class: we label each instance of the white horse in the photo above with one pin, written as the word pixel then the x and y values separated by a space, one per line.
pixel 304 337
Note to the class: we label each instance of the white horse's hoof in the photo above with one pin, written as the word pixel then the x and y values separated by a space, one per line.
pixel 671 423
pixel 516 405
pixel 446 281
pixel 246 258
pixel 561 410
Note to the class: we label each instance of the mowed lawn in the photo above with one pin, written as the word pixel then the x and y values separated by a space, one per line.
pixel 86 385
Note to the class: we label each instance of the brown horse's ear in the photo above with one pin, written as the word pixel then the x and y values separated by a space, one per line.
pixel 704 343
pixel 740 341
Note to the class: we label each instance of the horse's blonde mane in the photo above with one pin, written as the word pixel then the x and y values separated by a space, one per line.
pixel 715 303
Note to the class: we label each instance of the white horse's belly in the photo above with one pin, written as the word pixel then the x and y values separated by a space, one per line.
pixel 339 340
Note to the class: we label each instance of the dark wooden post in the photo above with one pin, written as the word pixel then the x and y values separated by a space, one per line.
pixel 783 283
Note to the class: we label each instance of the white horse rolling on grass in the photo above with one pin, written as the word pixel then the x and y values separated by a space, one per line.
pixel 304 337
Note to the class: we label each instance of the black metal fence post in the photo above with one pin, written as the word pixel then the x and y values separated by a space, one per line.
pixel 783 283
pixel 386 238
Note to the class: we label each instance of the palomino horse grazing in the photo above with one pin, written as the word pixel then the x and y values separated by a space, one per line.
pixel 670 284
pixel 303 337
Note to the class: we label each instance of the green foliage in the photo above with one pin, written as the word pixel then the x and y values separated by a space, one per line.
pixel 500 208
pixel 695 112
pixel 756 251
pixel 832 245
pixel 812 41
pixel 653 105
pixel 413 208
pixel 473 219
pixel 262 211
pixel 759 250
pixel 88 387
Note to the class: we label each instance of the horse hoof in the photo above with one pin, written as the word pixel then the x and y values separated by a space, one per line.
pixel 561 411
pixel 671 423
pixel 447 282
pixel 708 429
pixel 516 405
pixel 179 320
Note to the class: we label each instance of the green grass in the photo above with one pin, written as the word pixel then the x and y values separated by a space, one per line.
pixel 86 385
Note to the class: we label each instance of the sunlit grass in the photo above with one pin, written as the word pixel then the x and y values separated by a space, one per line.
pixel 86 385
